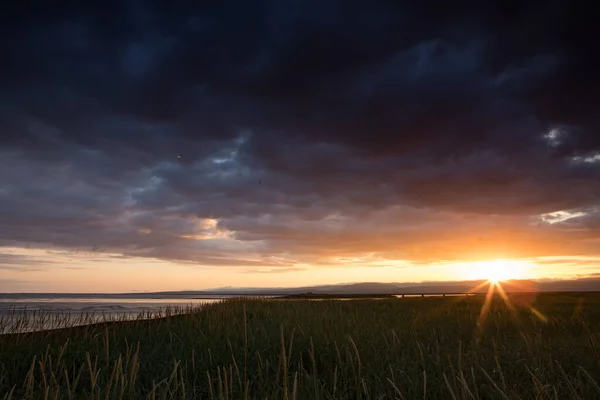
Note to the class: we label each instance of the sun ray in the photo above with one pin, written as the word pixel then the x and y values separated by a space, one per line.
pixel 504 296
pixel 508 302
pixel 538 314
pixel 485 309
pixel 476 288
pixel 495 274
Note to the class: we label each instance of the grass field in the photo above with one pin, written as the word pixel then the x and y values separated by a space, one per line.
pixel 410 348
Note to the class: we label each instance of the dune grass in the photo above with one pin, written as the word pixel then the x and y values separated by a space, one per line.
pixel 24 320
pixel 413 348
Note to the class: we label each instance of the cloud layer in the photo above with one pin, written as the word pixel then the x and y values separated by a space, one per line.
pixel 276 134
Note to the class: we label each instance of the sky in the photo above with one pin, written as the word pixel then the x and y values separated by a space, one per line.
pixel 159 146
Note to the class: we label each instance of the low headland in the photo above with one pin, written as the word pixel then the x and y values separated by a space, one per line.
pixel 325 296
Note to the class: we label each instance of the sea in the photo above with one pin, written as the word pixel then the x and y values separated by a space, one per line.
pixel 31 312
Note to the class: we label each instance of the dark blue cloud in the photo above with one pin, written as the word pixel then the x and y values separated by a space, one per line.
pixel 123 121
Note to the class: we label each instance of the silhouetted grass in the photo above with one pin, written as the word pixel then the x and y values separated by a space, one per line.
pixel 411 348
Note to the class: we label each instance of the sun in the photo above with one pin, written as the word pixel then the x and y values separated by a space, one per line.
pixel 494 273
pixel 498 270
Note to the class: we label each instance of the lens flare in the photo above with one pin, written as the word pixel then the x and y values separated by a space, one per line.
pixel 495 286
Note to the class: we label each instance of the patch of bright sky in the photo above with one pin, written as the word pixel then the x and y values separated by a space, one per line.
pixel 560 266
pixel 230 154
pixel 588 159
pixel 566 267
pixel 553 137
pixel 567 258
pixel 208 230
pixel 329 275
pixel 369 259
pixel 560 216
pixel 85 272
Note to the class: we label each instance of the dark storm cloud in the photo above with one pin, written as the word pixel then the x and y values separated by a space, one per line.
pixel 272 133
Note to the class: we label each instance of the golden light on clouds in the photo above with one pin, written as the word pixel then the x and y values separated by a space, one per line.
pixel 206 229
pixel 55 270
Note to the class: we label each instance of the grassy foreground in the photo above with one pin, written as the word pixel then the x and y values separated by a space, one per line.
pixel 411 348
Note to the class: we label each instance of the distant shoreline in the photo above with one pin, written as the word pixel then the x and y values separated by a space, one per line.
pixel 268 294
pixel 324 296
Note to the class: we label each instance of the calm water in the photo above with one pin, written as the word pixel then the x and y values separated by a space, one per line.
pixel 96 305
pixel 22 314
pixel 400 296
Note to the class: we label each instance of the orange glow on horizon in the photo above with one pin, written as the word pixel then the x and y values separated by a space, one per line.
pixel 58 270
pixel 496 271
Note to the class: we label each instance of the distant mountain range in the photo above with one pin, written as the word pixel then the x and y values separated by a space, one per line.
pixel 544 285
pixel 572 285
